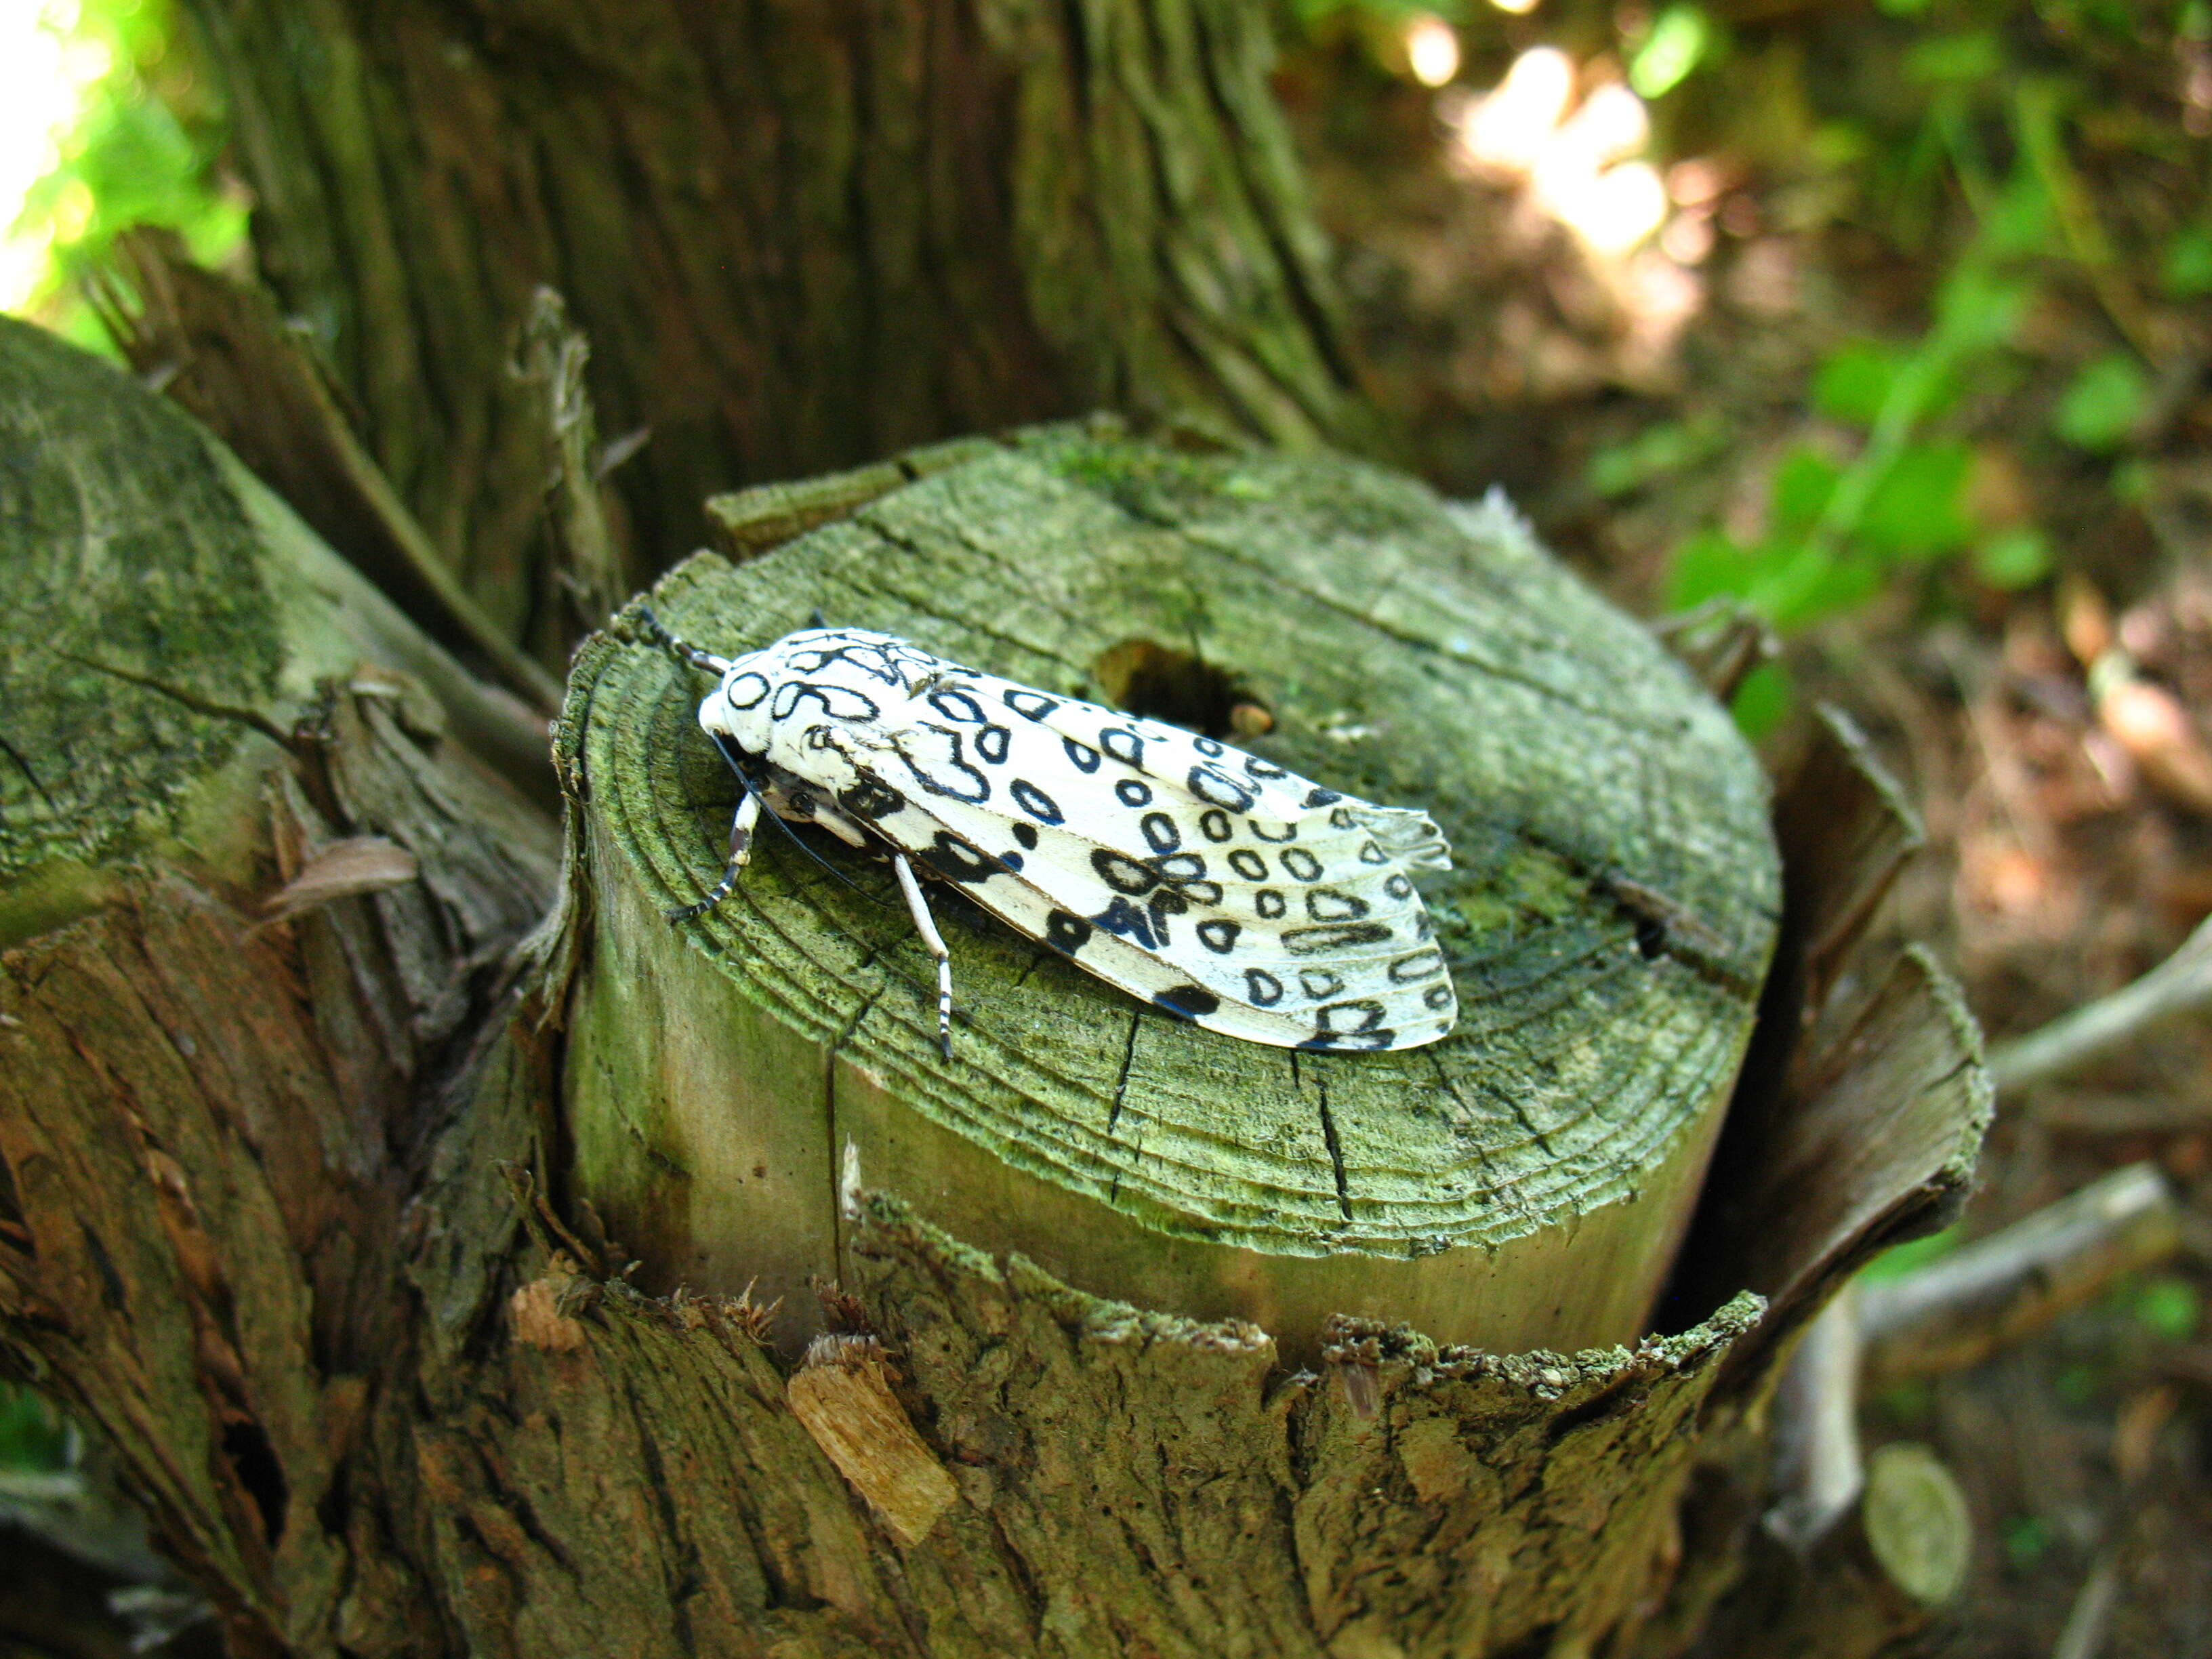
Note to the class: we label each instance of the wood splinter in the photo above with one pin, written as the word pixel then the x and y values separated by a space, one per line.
pixel 842 1394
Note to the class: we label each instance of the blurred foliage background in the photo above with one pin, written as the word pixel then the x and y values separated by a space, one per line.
pixel 1886 320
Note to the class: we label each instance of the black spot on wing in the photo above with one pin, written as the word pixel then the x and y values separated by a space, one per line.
pixel 1179 867
pixel 1122 873
pixel 1320 797
pixel 1217 789
pixel 1264 989
pixel 870 797
pixel 1030 705
pixel 1081 756
pixel 1186 1001
pixel 1123 745
pixel 1134 791
pixel 1260 831
pixel 1319 984
pixel 992 743
pixel 1329 904
pixel 1269 903
pixel 1256 767
pixel 1356 1024
pixel 1128 921
pixel 1333 936
pixel 1249 864
pixel 1213 823
pixel 948 774
pixel 1218 936
pixel 1026 833
pixel 1302 864
pixel 956 705
pixel 1160 832
pixel 959 859
pixel 1419 964
pixel 1436 996
pixel 1034 802
pixel 1066 931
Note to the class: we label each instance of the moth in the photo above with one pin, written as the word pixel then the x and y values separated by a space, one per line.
pixel 1212 883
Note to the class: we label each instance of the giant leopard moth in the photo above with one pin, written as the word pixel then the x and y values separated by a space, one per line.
pixel 1209 883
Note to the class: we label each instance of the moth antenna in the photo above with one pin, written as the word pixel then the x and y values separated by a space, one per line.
pixel 683 650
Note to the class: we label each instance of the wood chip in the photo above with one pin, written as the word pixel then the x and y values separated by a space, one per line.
pixel 842 1394
pixel 359 864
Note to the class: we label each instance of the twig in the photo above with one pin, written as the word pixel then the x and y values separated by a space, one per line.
pixel 1956 1311
pixel 1818 1471
pixel 2181 984
pixel 1951 1314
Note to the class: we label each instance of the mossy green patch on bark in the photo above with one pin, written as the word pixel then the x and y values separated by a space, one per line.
pixel 135 628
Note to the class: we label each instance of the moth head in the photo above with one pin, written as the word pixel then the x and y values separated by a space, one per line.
pixel 737 708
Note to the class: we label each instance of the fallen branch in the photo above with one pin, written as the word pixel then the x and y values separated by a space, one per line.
pixel 1948 1316
pixel 2181 984
pixel 1957 1312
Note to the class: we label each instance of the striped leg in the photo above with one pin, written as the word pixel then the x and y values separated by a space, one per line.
pixel 918 907
pixel 741 844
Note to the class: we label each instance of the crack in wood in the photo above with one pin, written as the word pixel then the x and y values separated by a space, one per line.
pixel 1335 1148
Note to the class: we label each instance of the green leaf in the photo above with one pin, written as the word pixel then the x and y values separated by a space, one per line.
pixel 1915 509
pixel 2026 1540
pixel 2185 272
pixel 1854 382
pixel 1955 60
pixel 1803 481
pixel 2102 406
pixel 1709 564
pixel 2013 558
pixel 2170 1307
pixel 1976 309
pixel 32 1436
pixel 1762 701
pixel 1667 446
pixel 1809 584
pixel 1681 37
pixel 2022 222
pixel 1900 1260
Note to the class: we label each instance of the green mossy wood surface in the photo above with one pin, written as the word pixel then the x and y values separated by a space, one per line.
pixel 164 622
pixel 1521 1184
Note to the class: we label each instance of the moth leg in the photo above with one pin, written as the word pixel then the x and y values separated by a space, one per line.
pixel 918 907
pixel 741 852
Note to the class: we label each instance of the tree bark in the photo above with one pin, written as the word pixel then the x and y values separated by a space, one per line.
pixel 799 235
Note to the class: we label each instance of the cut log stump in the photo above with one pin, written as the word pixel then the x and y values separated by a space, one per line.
pixel 309 1162
pixel 1522 1184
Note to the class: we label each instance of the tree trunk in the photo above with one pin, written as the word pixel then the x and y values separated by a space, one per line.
pixel 799 235
pixel 285 1216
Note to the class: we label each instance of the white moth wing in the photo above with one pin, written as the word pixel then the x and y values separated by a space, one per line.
pixel 1206 881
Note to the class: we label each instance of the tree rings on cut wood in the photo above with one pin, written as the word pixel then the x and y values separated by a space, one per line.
pixel 1523 1183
